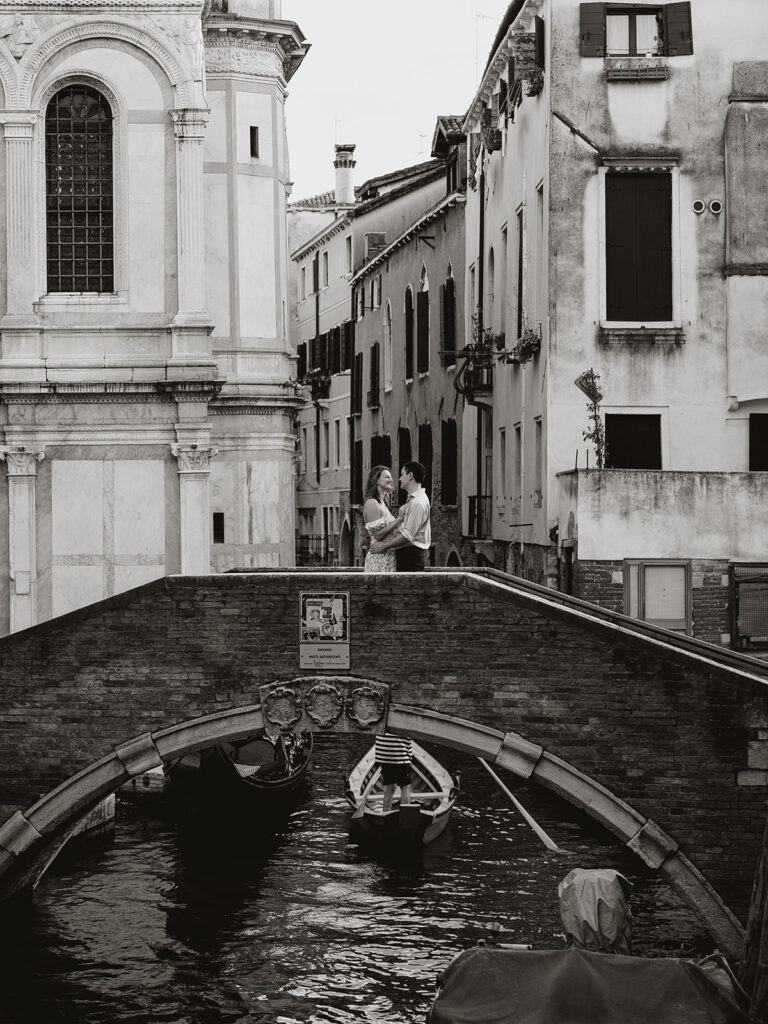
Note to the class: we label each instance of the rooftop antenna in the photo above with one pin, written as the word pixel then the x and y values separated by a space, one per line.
pixel 478 18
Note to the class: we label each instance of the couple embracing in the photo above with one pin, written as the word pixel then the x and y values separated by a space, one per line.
pixel 397 544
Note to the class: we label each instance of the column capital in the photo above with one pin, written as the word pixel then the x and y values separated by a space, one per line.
pixel 189 123
pixel 21 460
pixel 194 458
pixel 19 125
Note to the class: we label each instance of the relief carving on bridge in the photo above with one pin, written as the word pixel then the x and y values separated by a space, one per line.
pixel 327 703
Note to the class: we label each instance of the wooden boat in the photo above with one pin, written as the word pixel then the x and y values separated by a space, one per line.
pixel 251 772
pixel 433 794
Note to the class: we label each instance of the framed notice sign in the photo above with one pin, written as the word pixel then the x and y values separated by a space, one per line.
pixel 324 631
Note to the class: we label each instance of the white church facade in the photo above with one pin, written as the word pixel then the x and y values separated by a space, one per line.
pixel 146 408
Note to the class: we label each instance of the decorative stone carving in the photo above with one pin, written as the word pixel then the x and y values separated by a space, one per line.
pixel 192 46
pixel 324 705
pixel 281 708
pixel 18 31
pixel 366 706
pixel 244 58
pixel 21 461
pixel 194 458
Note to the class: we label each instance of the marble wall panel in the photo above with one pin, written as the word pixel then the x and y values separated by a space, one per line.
pixel 131 79
pixel 78 500
pixel 75 586
pixel 257 257
pixel 255 109
pixel 146 216
pixel 139 508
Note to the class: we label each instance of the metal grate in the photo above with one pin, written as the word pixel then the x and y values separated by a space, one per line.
pixel 749 603
pixel 78 176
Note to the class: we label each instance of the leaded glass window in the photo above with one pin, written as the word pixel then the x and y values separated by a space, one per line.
pixel 78 193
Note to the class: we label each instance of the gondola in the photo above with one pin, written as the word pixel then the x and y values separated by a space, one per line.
pixel 253 773
pixel 433 794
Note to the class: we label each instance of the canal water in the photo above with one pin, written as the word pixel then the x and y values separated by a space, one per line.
pixel 175 922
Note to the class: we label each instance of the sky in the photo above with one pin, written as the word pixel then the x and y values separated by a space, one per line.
pixel 378 74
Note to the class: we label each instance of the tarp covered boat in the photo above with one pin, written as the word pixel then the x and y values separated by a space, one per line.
pixel 489 985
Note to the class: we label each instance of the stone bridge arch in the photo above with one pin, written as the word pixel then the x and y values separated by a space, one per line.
pixel 29 840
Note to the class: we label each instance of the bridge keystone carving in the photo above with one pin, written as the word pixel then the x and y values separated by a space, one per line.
pixel 328 703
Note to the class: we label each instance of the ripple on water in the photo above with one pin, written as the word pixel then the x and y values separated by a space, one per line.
pixel 168 923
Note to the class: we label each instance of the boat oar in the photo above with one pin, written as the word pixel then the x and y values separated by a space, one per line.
pixel 360 808
pixel 547 840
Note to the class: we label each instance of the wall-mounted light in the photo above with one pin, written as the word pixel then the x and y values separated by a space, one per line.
pixel 698 206
pixel 716 207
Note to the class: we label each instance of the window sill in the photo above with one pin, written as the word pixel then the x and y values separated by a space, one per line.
pixel 640 336
pixel 636 69
pixel 423 374
pixel 56 301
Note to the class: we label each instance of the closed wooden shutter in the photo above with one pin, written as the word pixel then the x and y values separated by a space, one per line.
pixel 425 456
pixel 449 458
pixel 357 384
pixel 638 236
pixel 449 322
pixel 408 335
pixel 592 38
pixel 302 367
pixel 539 38
pixel 678 29
pixel 758 442
pixel 357 473
pixel 632 441
pixel 403 456
pixel 422 332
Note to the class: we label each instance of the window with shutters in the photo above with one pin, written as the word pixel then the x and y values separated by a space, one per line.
pixel 403 456
pixel 425 456
pixel 659 592
pixel 387 327
pixel 449 462
pixel 325 269
pixel 373 392
pixel 381 450
pixel 357 385
pixel 422 324
pixel 636 30
pixel 448 320
pixel 357 473
pixel 79 192
pixel 408 333
pixel 758 442
pixel 301 370
pixel 632 441
pixel 638 248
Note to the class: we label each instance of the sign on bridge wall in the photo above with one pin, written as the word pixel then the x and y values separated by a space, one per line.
pixel 324 631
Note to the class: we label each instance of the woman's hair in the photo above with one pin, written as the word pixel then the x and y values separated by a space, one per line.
pixel 372 487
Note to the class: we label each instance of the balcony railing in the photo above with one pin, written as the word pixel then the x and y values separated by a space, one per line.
pixel 480 515
pixel 315 549
pixel 474 377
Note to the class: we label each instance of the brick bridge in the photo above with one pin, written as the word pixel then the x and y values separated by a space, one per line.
pixel 660 738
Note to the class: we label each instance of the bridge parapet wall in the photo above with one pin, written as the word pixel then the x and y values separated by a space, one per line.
pixel 675 733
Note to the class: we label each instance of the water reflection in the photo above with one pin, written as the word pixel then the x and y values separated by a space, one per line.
pixel 194 925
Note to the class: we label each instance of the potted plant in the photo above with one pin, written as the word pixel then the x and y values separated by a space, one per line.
pixel 525 348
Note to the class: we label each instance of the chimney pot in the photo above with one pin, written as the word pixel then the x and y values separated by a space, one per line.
pixel 344 163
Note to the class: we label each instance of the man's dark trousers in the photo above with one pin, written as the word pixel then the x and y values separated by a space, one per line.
pixel 411 559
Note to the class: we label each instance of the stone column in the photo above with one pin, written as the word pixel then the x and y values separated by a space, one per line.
pixel 194 475
pixel 22 471
pixel 189 128
pixel 20 211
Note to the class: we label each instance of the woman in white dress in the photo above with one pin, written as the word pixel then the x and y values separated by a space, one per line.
pixel 379 521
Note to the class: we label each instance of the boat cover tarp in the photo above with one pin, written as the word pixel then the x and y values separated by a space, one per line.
pixel 491 985
pixel 594 911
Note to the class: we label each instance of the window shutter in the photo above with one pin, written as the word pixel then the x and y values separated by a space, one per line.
pixel 638 236
pixel 425 456
pixel 408 335
pixel 592 30
pixel 448 462
pixel 539 28
pixel 315 275
pixel 449 322
pixel 422 332
pixel 302 367
pixel 678 29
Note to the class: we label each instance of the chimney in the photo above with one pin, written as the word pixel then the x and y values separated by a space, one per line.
pixel 344 164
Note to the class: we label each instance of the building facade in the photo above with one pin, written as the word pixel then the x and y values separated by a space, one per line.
pixel 326 322
pixel 145 394
pixel 617 268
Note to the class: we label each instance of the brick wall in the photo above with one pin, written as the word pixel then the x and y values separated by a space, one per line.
pixel 662 730
pixel 602 583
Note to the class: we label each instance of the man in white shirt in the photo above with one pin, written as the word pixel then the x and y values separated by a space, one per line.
pixel 413 537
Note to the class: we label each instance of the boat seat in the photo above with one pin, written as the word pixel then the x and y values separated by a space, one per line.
pixel 246 770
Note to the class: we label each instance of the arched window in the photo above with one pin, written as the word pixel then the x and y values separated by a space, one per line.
pixel 388 346
pixel 408 333
pixel 78 191
pixel 422 324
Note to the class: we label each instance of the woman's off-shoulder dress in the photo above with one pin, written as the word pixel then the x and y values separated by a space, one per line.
pixel 382 561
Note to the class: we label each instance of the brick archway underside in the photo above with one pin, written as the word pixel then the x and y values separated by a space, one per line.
pixel 29 839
